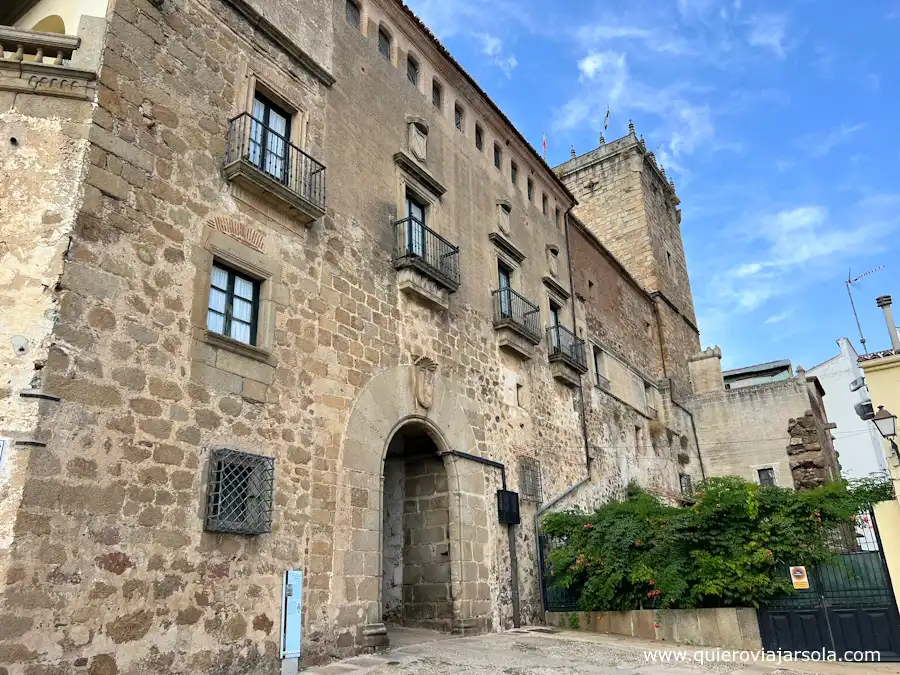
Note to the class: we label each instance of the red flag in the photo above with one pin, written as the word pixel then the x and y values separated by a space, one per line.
pixel 545 146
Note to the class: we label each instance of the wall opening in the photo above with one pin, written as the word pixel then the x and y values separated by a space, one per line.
pixel 50 24
pixel 415 587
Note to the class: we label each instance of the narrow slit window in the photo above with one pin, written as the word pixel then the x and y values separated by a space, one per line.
pixel 412 71
pixel 544 205
pixel 479 138
pixel 458 116
pixel 498 156
pixel 530 189
pixel 437 95
pixel 384 43
pixel 514 173
pixel 354 16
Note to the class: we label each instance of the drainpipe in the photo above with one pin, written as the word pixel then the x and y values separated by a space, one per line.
pixel 884 302
pixel 584 429
pixel 510 533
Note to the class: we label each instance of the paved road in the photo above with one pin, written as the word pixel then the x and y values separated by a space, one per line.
pixel 559 653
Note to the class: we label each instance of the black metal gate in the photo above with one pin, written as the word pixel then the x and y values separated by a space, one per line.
pixel 555 599
pixel 849 606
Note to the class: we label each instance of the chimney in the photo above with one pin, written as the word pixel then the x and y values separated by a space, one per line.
pixel 884 302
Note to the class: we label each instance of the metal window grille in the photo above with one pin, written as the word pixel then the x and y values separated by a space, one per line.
pixel 766 477
pixel 412 71
pixel 514 173
pixel 531 479
pixel 353 14
pixel 239 496
pixel 436 95
pixel 384 44
pixel 479 138
pixel 458 117
pixel 497 156
pixel 687 486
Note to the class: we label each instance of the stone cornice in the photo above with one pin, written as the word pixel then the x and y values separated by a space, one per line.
pixel 47 79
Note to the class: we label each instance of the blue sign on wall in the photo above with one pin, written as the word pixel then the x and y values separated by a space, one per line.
pixel 291 613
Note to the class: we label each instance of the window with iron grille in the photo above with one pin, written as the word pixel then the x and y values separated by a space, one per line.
pixel 479 138
pixel 353 14
pixel 530 189
pixel 514 173
pixel 458 117
pixel 437 94
pixel 531 479
pixel 239 496
pixel 233 308
pixel 687 486
pixel 544 204
pixel 766 477
pixel 384 43
pixel 412 71
pixel 498 156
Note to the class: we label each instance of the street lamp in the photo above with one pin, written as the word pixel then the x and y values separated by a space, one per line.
pixel 887 427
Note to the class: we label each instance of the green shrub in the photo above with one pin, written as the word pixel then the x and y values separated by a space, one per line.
pixel 728 549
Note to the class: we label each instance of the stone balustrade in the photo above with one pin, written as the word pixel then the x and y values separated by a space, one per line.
pixel 16 43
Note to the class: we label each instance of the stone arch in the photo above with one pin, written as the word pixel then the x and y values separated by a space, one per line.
pixel 387 404
pixel 51 24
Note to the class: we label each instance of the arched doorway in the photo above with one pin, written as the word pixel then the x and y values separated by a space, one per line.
pixel 50 24
pixel 416 572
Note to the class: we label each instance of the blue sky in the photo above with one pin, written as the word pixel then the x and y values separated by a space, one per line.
pixel 778 121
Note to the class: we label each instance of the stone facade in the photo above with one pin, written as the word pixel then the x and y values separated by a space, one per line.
pixel 779 426
pixel 395 403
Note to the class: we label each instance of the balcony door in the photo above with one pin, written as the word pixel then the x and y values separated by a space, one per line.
pixel 504 279
pixel 269 138
pixel 554 325
pixel 415 226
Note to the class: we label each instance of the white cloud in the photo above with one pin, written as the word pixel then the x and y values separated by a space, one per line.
pixel 491 44
pixel 778 318
pixel 816 145
pixel 768 31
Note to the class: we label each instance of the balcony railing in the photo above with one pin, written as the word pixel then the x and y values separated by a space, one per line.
pixel 566 346
pixel 511 309
pixel 272 155
pixel 16 43
pixel 416 245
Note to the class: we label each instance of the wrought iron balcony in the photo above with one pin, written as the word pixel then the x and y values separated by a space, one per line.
pixel 420 247
pixel 264 160
pixel 513 311
pixel 567 347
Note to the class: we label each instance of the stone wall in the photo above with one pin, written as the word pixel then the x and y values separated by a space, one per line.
pixel 743 430
pixel 726 627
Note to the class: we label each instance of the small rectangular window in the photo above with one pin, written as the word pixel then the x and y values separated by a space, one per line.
pixel 458 116
pixel 239 492
pixel 384 43
pixel 233 307
pixel 412 71
pixel 353 14
pixel 530 189
pixel 530 471
pixel 766 477
pixel 514 173
pixel 687 485
pixel 479 138
pixel 544 205
pixel 437 98
pixel 556 217
pixel 498 156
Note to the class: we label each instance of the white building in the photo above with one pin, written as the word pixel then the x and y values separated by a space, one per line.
pixel 856 441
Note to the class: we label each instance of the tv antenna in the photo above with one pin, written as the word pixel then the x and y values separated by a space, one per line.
pixel 849 283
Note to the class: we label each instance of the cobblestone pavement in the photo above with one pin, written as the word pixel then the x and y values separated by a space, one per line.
pixel 533 652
